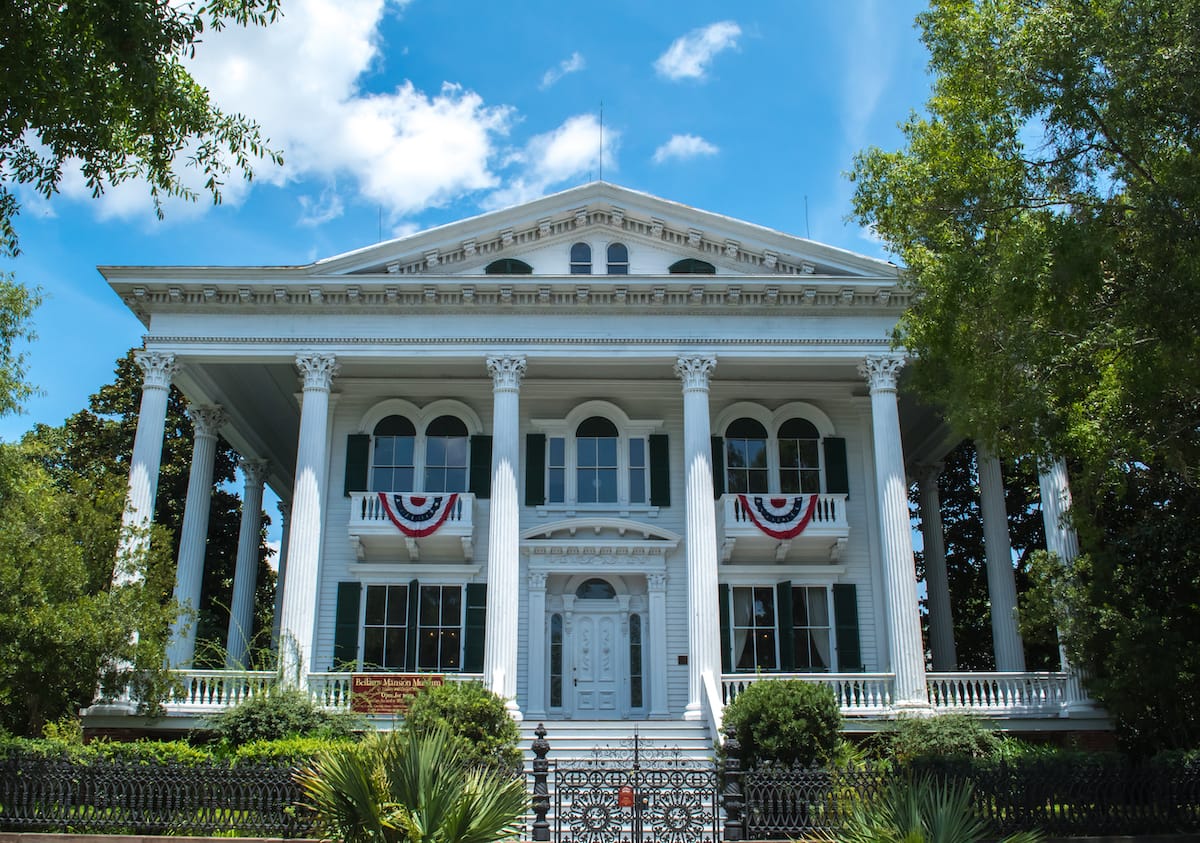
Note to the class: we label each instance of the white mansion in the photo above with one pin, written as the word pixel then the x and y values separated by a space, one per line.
pixel 615 456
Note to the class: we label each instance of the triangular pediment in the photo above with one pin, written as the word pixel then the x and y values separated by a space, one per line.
pixel 658 233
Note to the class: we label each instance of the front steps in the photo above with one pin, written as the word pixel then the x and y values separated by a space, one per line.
pixel 613 740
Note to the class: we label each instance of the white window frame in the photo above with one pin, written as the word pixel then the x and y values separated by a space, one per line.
pixel 378 581
pixel 420 417
pixel 763 576
pixel 773 421
pixel 627 429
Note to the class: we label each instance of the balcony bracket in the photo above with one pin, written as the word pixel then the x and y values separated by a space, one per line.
pixel 468 546
pixel 781 551
pixel 727 549
pixel 360 552
pixel 414 552
pixel 835 552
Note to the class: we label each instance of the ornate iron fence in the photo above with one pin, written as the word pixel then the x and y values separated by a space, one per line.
pixel 133 797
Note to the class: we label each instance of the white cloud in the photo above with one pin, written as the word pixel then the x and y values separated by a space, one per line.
pixel 689 56
pixel 299 78
pixel 569 152
pixel 322 209
pixel 569 65
pixel 684 147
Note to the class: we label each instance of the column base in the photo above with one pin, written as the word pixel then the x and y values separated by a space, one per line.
pixel 912 708
pixel 693 712
pixel 514 711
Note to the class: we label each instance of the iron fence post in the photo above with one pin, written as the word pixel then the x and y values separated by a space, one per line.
pixel 731 795
pixel 541 791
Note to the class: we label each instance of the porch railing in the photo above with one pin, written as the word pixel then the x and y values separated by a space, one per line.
pixel 1003 693
pixel 858 694
pixel 213 690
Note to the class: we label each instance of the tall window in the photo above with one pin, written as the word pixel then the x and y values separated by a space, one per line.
pixel 446 455
pixel 581 259
pixel 746 457
pixel 385 628
pixel 810 628
pixel 753 628
pixel 799 457
pixel 635 661
pixel 394 629
pixel 440 628
pixel 392 466
pixel 596 464
pixel 556 661
pixel 618 259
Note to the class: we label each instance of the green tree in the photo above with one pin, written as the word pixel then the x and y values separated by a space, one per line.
pixel 100 84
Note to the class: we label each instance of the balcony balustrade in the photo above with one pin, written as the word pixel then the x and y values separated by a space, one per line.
pixel 744 540
pixel 376 531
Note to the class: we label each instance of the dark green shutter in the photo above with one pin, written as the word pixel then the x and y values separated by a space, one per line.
pixel 535 469
pixel 726 631
pixel 358 447
pixel 837 477
pixel 660 471
pixel 345 626
pixel 845 619
pixel 473 634
pixel 481 467
pixel 783 621
pixel 414 605
pixel 718 466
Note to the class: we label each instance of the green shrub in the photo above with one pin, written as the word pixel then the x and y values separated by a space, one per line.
pixel 476 719
pixel 786 721
pixel 942 736
pixel 280 713
pixel 294 750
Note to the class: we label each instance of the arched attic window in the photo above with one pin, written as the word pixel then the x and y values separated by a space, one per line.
pixel 508 266
pixel 618 259
pixel 446 455
pixel 392 463
pixel 746 469
pixel 581 259
pixel 692 266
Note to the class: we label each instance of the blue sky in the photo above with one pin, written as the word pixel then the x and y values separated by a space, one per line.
pixel 394 116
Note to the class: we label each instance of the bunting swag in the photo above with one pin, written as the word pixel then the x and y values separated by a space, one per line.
pixel 780 518
pixel 418 516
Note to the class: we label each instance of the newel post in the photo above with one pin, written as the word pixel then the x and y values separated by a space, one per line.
pixel 541 792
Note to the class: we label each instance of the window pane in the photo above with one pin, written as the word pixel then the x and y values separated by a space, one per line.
pixel 764 606
pixel 557 451
pixel 456 451
pixel 456 480
pixel 789 453
pixel 376 602
pixel 606 451
pixel 587 452
pixel 404 450
pixel 385 449
pixel 397 614
pixel 556 484
pixel 435 451
pixel 395 649
pixel 450 650
pixel 607 489
pixel 735 453
pixel 429 605
pixel 756 480
pixel 402 480
pixel 809 453
pixel 637 453
pixel 373 647
pixel 451 606
pixel 756 453
pixel 637 485
pixel 427 656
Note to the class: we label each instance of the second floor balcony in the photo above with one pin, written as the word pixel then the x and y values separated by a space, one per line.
pixel 434 526
pixel 782 528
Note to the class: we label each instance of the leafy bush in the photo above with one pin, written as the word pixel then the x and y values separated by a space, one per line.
pixel 786 721
pixel 476 719
pixel 942 736
pixel 280 713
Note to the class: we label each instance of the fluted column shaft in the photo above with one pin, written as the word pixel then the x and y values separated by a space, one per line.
pixel 1061 539
pixel 285 525
pixel 937 584
pixel 654 639
pixel 704 639
pixel 899 571
pixel 245 576
pixel 193 539
pixel 539 657
pixel 157 369
pixel 304 540
pixel 1002 586
pixel 504 529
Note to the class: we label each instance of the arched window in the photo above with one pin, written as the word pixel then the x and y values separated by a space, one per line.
pixel 508 266
pixel 446 455
pixel 746 468
pixel 392 465
pixel 799 457
pixel 581 259
pixel 596 461
pixel 691 266
pixel 618 259
pixel 596 589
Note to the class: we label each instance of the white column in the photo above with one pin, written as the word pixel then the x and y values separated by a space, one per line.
pixel 296 622
pixel 704 636
pixel 245 576
pixel 504 530
pixel 157 369
pixel 1002 586
pixel 537 657
pixel 937 585
pixel 654 634
pixel 1061 539
pixel 905 652
pixel 285 523
pixel 193 538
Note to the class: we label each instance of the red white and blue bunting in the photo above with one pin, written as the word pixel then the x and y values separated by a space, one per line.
pixel 418 516
pixel 780 518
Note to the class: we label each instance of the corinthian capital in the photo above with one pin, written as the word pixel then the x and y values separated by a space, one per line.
pixel 318 370
pixel 158 367
pixel 882 370
pixel 506 372
pixel 206 420
pixel 254 471
pixel 695 371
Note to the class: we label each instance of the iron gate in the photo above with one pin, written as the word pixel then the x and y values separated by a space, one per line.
pixel 626 797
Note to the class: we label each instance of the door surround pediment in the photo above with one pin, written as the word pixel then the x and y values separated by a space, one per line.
pixel 614 545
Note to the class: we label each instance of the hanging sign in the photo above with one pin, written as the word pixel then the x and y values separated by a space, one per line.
pixel 418 516
pixel 780 518
pixel 388 693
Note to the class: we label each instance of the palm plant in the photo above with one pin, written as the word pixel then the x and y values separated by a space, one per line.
pixel 408 787
pixel 922 810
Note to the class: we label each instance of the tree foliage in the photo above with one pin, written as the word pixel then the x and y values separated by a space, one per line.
pixel 101 84
pixel 786 721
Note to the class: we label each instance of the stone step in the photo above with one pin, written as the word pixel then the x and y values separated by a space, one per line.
pixel 614 740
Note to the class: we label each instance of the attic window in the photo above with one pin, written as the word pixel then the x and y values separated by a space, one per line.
pixel 691 266
pixel 581 259
pixel 508 266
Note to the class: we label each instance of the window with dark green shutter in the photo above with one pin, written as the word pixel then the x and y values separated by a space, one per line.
pixel 726 630
pixel 535 469
pixel 358 448
pixel 718 466
pixel 345 626
pixel 481 467
pixel 476 619
pixel 660 470
pixel 837 476
pixel 845 618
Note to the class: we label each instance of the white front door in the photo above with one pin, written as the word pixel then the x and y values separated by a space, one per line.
pixel 598 649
